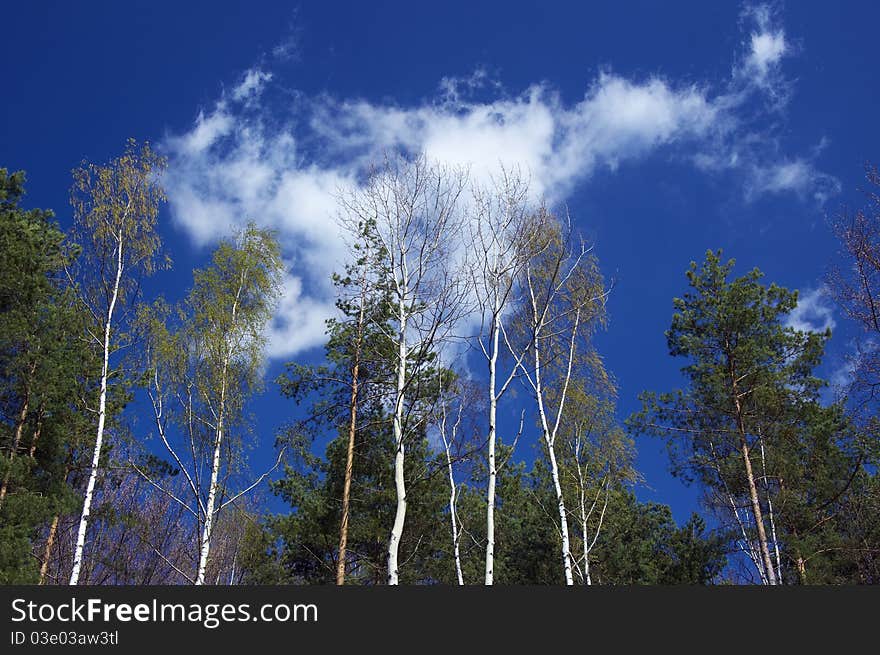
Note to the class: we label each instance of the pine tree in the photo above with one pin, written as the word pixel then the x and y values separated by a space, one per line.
pixel 749 422
pixel 44 365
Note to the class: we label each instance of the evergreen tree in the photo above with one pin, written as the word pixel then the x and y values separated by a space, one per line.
pixel 749 427
pixel 44 365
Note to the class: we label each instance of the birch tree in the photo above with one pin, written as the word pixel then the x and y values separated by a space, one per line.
pixel 454 423
pixel 597 460
pixel 565 302
pixel 856 286
pixel 200 375
pixel 415 207
pixel 500 243
pixel 115 207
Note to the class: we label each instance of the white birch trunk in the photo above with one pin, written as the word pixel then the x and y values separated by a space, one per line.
pixel 205 545
pixel 550 441
pixel 207 530
pixel 757 514
pixel 493 472
pixel 563 517
pixel 399 482
pixel 99 438
pixel 588 580
pixel 771 517
pixel 453 495
pixel 589 545
pixel 453 518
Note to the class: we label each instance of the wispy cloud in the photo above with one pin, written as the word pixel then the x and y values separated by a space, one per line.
pixel 799 176
pixel 251 86
pixel 245 159
pixel 767 45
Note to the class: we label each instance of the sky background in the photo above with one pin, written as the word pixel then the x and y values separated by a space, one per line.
pixel 666 128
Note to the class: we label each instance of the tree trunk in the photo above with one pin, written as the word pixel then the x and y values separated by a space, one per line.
pixel 47 553
pixel 588 580
pixel 493 472
pixel 770 514
pixel 205 545
pixel 550 442
pixel 99 438
pixel 563 517
pixel 37 432
pixel 456 533
pixel 19 429
pixel 767 562
pixel 399 482
pixel 802 569
pixel 349 458
pixel 759 518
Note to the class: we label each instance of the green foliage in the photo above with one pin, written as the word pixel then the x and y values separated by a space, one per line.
pixel 117 204
pixel 642 545
pixel 204 358
pixel 752 399
pixel 312 486
pixel 44 367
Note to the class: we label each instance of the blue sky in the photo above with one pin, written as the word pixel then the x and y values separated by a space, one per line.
pixel 666 128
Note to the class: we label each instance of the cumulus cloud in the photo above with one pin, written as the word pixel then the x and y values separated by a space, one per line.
pixel 814 312
pixel 299 322
pixel 283 165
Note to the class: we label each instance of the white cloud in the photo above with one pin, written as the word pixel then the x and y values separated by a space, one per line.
pixel 206 131
pixel 299 322
pixel 814 312
pixel 248 159
pixel 843 375
pixel 799 176
pixel 618 119
pixel 251 85
pixel 766 47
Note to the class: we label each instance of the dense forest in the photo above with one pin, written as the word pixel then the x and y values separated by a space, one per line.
pixel 461 426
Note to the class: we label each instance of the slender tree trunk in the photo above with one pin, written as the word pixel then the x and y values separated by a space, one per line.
pixel 588 580
pixel 99 438
pixel 38 430
pixel 563 517
pixel 47 553
pixel 767 562
pixel 453 518
pixel 399 482
pixel 756 511
pixel 205 546
pixel 585 516
pixel 582 501
pixel 207 530
pixel 456 532
pixel 801 568
pixel 493 472
pixel 19 429
pixel 770 514
pixel 349 455
pixel 550 441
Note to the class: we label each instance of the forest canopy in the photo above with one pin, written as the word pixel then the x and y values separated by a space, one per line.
pixel 460 426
